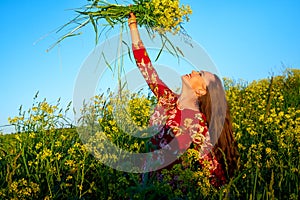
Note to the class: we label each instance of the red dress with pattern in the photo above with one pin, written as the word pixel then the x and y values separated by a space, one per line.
pixel 176 128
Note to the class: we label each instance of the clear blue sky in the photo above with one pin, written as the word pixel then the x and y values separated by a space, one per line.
pixel 247 40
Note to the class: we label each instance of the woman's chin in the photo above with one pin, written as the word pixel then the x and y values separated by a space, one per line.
pixel 184 79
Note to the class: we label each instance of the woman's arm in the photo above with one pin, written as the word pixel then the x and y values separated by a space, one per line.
pixel 135 35
pixel 143 61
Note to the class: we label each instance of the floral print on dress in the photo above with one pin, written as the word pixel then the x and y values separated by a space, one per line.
pixel 176 128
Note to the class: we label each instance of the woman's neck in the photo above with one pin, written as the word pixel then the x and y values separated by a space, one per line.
pixel 188 101
pixel 188 98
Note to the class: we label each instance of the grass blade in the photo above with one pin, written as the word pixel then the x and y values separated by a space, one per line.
pixel 95 28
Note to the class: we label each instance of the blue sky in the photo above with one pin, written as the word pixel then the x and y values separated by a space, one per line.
pixel 247 40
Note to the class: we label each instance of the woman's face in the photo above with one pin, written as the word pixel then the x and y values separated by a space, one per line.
pixel 198 81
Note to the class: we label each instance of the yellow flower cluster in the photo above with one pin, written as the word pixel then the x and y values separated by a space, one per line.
pixel 40 117
pixel 24 189
pixel 168 15
pixel 266 120
pixel 46 153
pixel 140 109
pixel 15 119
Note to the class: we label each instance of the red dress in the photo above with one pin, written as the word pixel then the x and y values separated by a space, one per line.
pixel 176 128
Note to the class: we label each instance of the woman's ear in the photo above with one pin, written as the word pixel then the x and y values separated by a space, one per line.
pixel 200 92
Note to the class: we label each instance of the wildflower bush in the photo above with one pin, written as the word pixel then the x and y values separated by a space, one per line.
pixel 47 158
pixel 266 118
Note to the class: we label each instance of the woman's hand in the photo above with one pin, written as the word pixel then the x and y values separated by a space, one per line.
pixel 135 36
pixel 132 21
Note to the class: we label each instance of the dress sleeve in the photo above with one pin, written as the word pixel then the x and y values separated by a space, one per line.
pixel 157 86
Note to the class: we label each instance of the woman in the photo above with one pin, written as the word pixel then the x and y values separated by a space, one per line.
pixel 182 121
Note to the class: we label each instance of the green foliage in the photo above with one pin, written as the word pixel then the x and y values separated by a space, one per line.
pixel 266 119
pixel 45 159
pixel 159 16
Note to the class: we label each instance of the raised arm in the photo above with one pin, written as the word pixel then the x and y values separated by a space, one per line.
pixel 143 62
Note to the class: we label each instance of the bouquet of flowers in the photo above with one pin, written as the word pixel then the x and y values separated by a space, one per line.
pixel 159 16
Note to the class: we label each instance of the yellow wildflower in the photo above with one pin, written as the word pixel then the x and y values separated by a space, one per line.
pixel 268 150
pixel 69 178
pixel 38 145
pixel 80 187
pixel 58 156
pixel 46 153
pixel 32 135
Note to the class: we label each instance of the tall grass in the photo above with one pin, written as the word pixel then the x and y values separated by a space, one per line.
pixel 46 159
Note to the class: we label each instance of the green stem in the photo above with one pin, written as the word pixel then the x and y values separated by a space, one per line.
pixel 120 60
pixel 255 182
pixel 82 176
pixel 25 164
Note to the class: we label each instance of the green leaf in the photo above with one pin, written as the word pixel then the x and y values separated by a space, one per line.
pixel 106 62
pixel 109 21
pixel 95 28
pixel 129 50
pixel 61 39
pixel 160 51
pixel 70 34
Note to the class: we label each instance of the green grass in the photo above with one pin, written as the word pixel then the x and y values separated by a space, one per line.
pixel 47 160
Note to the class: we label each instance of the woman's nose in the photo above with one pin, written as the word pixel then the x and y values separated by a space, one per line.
pixel 194 72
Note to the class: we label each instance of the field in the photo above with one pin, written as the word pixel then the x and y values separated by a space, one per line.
pixel 46 158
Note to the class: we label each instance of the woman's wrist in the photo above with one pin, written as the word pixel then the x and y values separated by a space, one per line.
pixel 132 24
pixel 131 21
